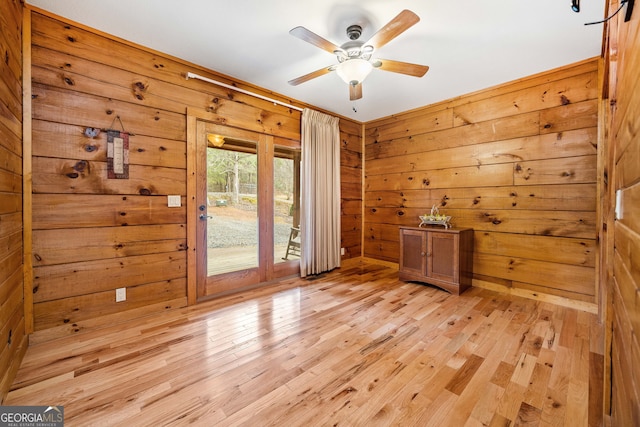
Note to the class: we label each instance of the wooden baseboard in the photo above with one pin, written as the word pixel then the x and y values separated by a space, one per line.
pixel 525 293
pixel 367 260
pixel 554 299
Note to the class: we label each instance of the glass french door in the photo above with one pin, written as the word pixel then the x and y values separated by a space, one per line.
pixel 248 199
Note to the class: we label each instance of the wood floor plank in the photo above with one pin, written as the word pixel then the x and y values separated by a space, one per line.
pixel 355 346
pixel 485 409
pixel 472 394
pixel 535 392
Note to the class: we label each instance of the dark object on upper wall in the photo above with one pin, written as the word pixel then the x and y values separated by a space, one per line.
pixel 627 15
pixel 575 5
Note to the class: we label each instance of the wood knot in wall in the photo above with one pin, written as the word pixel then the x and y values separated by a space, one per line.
pixel 78 169
pixel 91 132
pixel 526 174
pixel 89 148
pixel 81 166
pixel 139 89
pixel 491 218
pixel 460 118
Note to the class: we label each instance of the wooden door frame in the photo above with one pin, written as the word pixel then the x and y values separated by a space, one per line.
pixel 197 121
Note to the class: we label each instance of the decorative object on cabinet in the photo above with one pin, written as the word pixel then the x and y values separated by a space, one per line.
pixel 440 257
pixel 435 218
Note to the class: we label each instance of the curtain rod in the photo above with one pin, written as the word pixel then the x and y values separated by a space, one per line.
pixel 191 75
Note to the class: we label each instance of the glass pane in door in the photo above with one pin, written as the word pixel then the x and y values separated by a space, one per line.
pixel 232 208
pixel 286 222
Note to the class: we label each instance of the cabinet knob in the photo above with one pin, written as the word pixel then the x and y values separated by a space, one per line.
pixel 428 254
pixel 422 254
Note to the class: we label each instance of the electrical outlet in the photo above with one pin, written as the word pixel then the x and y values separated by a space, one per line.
pixel 121 294
pixel 341 251
pixel 174 201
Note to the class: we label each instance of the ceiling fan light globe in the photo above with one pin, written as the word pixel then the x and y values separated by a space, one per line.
pixel 354 71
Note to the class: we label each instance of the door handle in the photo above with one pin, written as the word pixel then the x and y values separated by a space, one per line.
pixel 204 216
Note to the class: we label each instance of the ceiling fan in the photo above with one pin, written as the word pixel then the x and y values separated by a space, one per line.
pixel 355 57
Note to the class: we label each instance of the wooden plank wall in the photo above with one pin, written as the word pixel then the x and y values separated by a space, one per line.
pixel 92 235
pixel 12 321
pixel 517 163
pixel 622 88
pixel 351 188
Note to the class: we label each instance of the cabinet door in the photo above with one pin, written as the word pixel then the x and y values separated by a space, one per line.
pixel 413 248
pixel 442 256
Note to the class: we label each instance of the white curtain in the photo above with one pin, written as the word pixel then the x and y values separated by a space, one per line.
pixel 320 193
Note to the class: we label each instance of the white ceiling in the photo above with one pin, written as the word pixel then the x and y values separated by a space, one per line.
pixel 468 44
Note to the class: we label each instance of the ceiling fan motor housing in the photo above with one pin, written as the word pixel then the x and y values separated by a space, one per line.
pixel 354 32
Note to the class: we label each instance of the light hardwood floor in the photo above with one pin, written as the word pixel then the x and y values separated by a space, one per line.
pixel 352 347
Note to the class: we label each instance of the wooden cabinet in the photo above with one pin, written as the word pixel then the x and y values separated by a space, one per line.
pixel 438 256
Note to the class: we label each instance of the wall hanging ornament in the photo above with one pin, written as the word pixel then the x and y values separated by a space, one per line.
pixel 117 152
